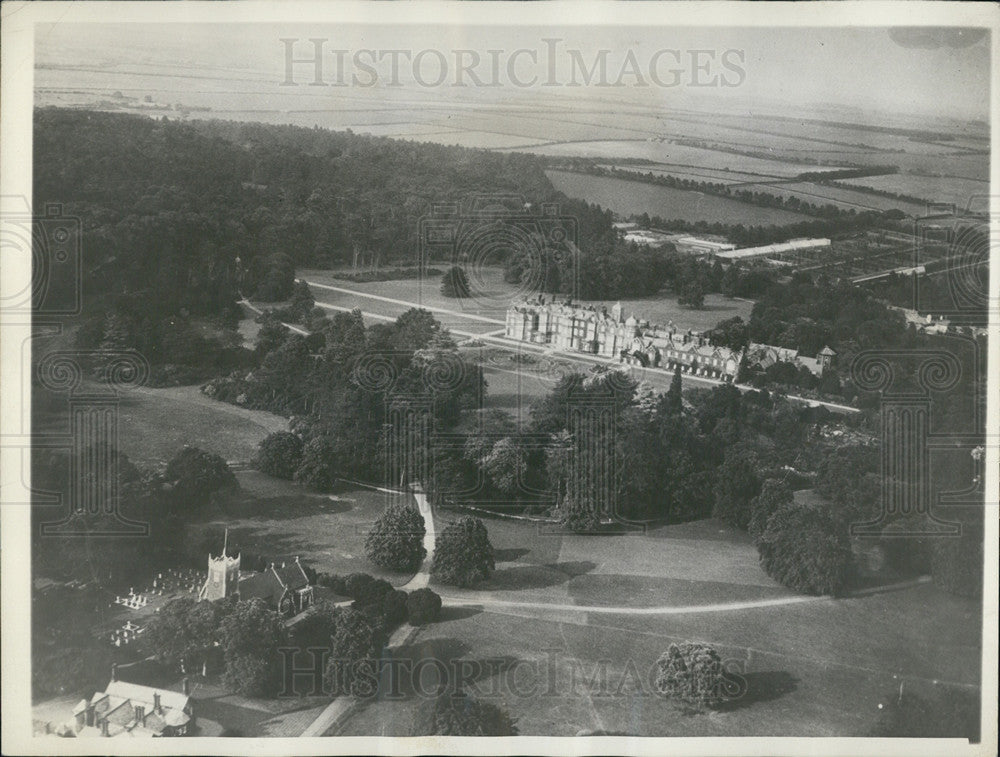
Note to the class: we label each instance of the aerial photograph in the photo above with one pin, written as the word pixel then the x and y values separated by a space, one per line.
pixel 584 380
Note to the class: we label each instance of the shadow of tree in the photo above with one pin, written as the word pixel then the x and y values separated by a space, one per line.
pixel 750 688
pixel 457 613
pixel 424 668
pixel 537 576
pixel 509 555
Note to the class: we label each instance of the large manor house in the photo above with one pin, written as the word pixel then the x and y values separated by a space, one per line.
pixel 610 334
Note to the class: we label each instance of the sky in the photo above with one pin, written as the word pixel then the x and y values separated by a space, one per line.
pixel 917 72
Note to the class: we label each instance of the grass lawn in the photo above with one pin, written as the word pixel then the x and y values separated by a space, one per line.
pixel 280 520
pixel 492 296
pixel 155 423
pixel 819 667
pixel 515 389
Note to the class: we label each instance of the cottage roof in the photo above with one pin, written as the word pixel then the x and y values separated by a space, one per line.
pixel 827 350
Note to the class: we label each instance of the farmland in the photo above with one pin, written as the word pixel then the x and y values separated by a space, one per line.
pixel 631 197
pixel 675 154
pixel 821 194
pixel 948 189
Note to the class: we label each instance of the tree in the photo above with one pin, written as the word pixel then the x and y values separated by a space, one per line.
pixel 271 334
pixel 829 383
pixel 279 454
pixel 364 589
pixel 736 485
pixel 455 283
pixel 730 281
pixel 197 475
pixel 396 540
pixel 393 610
pixel 423 606
pixel 463 554
pixel 773 494
pixel 302 301
pixel 184 632
pixel 506 465
pixel 692 295
pixel 455 713
pixel 318 469
pixel 805 548
pixel 694 673
pixel 675 402
pixel 251 635
pixel 731 333
pixel 355 649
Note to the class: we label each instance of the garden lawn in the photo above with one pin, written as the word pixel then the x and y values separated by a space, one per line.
pixel 280 520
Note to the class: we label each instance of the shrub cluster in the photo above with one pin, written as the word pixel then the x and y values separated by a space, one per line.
pixel 423 606
pixel 279 455
pixel 455 713
pixel 380 601
pixel 396 541
pixel 807 549
pixel 692 673
pixel 463 555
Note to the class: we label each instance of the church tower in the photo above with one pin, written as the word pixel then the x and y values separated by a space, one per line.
pixel 223 575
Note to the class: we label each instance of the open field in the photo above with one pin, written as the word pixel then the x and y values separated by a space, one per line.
pixel 155 423
pixel 820 194
pixel 281 520
pixel 627 198
pixel 696 173
pixel 931 188
pixel 799 662
pixel 668 152
pixel 491 297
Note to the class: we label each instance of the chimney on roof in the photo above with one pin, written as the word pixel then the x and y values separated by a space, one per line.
pixel 140 714
pixel 104 727
pixel 114 671
pixel 187 686
pixel 156 703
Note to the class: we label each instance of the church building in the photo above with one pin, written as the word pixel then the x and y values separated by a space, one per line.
pixel 285 589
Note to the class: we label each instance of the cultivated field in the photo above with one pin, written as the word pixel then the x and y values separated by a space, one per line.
pixel 668 152
pixel 626 198
pixel 820 194
pixel 931 188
